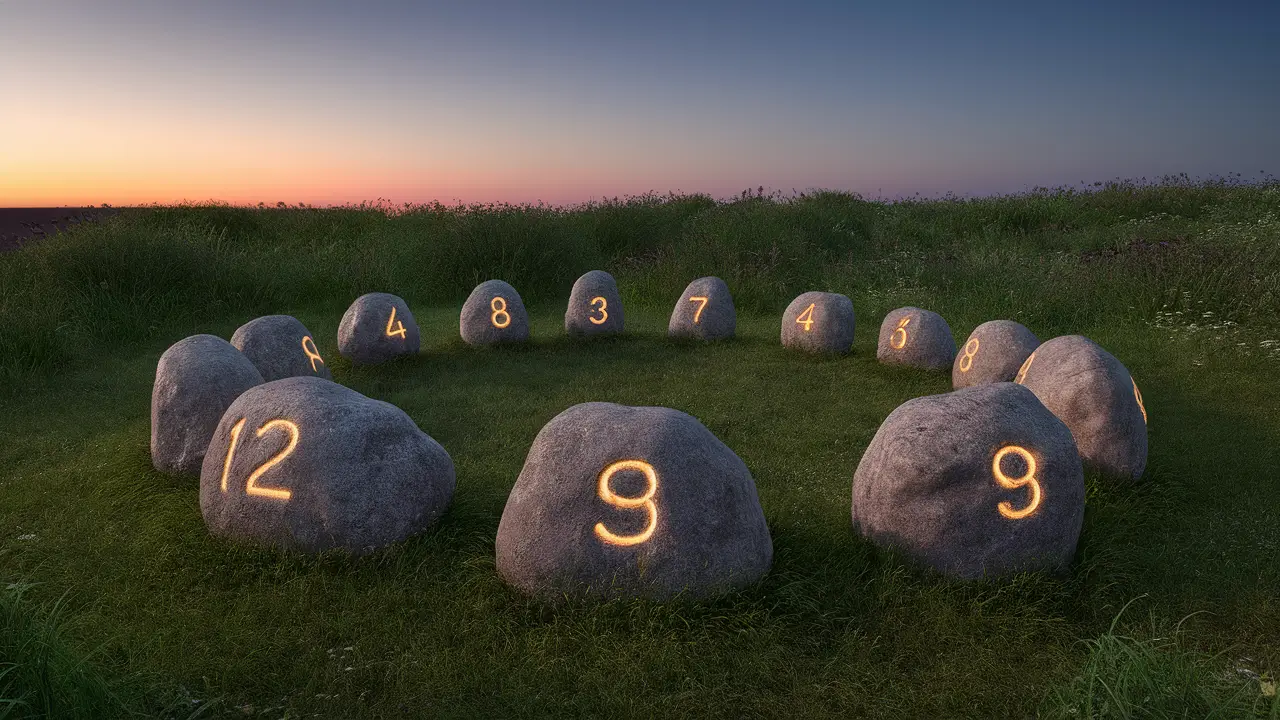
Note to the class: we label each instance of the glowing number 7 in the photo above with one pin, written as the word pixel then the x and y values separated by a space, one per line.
pixel 697 314
pixel 399 325
pixel 251 486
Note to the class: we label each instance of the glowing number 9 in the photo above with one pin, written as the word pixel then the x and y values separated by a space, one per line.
pixel 806 317
pixel 645 501
pixel 311 352
pixel 499 307
pixel 400 329
pixel 1022 371
pixel 604 311
pixel 251 485
pixel 697 314
pixel 1028 480
pixel 902 328
pixel 1137 394
pixel 970 349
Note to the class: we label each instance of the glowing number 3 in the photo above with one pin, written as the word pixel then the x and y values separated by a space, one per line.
pixel 1022 371
pixel 1027 480
pixel 966 360
pixel 697 314
pixel 902 328
pixel 806 317
pixel 1137 394
pixel 399 325
pixel 251 486
pixel 311 352
pixel 604 311
pixel 645 501
pixel 499 307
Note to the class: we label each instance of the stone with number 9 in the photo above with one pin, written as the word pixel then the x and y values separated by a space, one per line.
pixel 704 311
pixel 633 502
pixel 983 481
pixel 595 307
pixel 819 322
pixel 376 328
pixel 493 314
pixel 280 346
pixel 308 464
pixel 915 337
pixel 993 353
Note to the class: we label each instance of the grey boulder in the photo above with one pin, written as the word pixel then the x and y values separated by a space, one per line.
pixel 819 322
pixel 280 346
pixel 704 311
pixel 983 481
pixel 376 328
pixel 308 464
pixel 197 378
pixel 493 314
pixel 595 307
pixel 993 353
pixel 915 337
pixel 631 501
pixel 1094 394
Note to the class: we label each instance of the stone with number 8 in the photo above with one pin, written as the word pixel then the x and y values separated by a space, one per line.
pixel 635 502
pixel 978 482
pixel 280 346
pixel 819 322
pixel 704 311
pixel 993 353
pixel 376 328
pixel 308 464
pixel 595 307
pixel 493 314
pixel 915 337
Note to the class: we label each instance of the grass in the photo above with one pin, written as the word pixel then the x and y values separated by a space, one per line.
pixel 1180 280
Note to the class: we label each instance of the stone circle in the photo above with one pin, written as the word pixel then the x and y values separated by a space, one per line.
pixel 704 312
pixel 993 353
pixel 280 346
pixel 376 328
pixel 595 307
pixel 493 314
pixel 917 338
pixel 819 322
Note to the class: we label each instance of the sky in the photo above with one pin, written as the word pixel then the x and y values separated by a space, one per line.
pixel 159 101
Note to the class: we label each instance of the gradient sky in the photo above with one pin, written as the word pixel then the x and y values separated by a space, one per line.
pixel 139 101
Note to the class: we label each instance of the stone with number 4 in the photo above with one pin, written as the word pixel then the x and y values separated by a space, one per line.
pixel 635 502
pixel 982 481
pixel 704 311
pixel 820 322
pixel 376 328
pixel 196 379
pixel 915 337
pixel 595 307
pixel 308 464
pixel 1094 394
pixel 493 314
pixel 993 353
pixel 280 346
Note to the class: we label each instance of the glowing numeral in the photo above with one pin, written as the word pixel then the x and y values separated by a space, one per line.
pixel 697 314
pixel 311 352
pixel 499 307
pixel 902 328
pixel 1137 394
pixel 1027 480
pixel 251 486
pixel 645 501
pixel 970 349
pixel 806 317
pixel 398 325
pixel 1022 371
pixel 604 310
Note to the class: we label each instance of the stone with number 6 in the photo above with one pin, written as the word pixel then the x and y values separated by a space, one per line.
pixel 376 328
pixel 819 322
pixel 982 481
pixel 595 307
pixel 493 314
pixel 915 337
pixel 633 502
pixel 308 464
pixel 704 311
pixel 280 346
pixel 993 353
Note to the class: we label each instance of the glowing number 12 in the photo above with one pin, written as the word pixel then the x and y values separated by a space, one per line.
pixel 251 486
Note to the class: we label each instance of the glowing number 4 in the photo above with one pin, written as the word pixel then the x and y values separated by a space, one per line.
pixel 697 314
pixel 1028 480
pixel 604 310
pixel 645 501
pixel 399 326
pixel 970 349
pixel 311 352
pixel 251 486
pixel 902 328
pixel 499 307
pixel 806 317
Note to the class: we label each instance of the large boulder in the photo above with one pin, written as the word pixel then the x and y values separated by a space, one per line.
pixel 493 314
pixel 819 322
pixel 915 337
pixel 376 328
pixel 631 501
pixel 595 307
pixel 704 311
pixel 982 481
pixel 1094 394
pixel 308 464
pixel 993 353
pixel 280 346
pixel 197 378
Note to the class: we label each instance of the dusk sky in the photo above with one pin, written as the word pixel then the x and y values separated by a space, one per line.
pixel 127 101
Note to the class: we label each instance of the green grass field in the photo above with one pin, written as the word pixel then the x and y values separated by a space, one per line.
pixel 116 601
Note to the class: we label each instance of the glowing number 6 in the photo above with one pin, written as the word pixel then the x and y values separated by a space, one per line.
pixel 1027 480
pixel 645 501
pixel 966 360
pixel 902 328
pixel 499 307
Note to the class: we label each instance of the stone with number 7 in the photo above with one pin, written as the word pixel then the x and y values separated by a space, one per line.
pixel 493 314
pixel 819 322
pixel 704 311
pixel 376 328
pixel 595 307
pixel 915 337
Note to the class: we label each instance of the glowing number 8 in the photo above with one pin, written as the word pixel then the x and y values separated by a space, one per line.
pixel 1137 394
pixel 902 328
pixel 1028 480
pixel 966 360
pixel 499 307
pixel 251 485
pixel 604 311
pixel 645 501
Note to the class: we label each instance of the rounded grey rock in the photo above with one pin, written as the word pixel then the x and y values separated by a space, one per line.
pixel 993 353
pixel 704 311
pixel 493 314
pixel 631 501
pixel 978 482
pixel 915 337
pixel 280 346
pixel 308 464
pixel 595 307
pixel 820 322
pixel 1094 394
pixel 376 328
pixel 197 378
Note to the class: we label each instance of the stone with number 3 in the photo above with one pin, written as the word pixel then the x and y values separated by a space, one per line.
pixel 982 481
pixel 633 502
pixel 915 337
pixel 704 311
pixel 376 328
pixel 819 322
pixel 280 346
pixel 493 314
pixel 308 464
pixel 595 307
pixel 993 353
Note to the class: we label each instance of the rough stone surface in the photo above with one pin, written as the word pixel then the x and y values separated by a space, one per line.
pixel 708 531
pixel 1094 394
pixel 819 322
pixel 369 334
pixel 280 346
pixel 197 378
pixel 927 484
pixel 595 307
pixel 915 337
pixel 993 353
pixel 493 314
pixel 360 476
pixel 714 319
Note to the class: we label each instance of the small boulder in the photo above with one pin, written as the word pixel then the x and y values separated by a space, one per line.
pixel 595 307
pixel 376 328
pixel 993 353
pixel 631 501
pixel 280 346
pixel 493 314
pixel 915 337
pixel 704 311
pixel 197 378
pixel 819 322
pixel 308 464
pixel 978 482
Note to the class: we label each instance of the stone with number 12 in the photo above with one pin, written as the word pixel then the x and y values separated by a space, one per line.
pixel 280 346
pixel 993 353
pixel 819 322
pixel 704 311
pixel 915 337
pixel 376 328
pixel 595 307
pixel 982 481
pixel 493 314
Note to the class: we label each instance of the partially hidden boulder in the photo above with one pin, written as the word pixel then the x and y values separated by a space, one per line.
pixel 819 322
pixel 493 314
pixel 993 353
pixel 595 307
pixel 704 311
pixel 917 338
pixel 378 327
pixel 280 346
